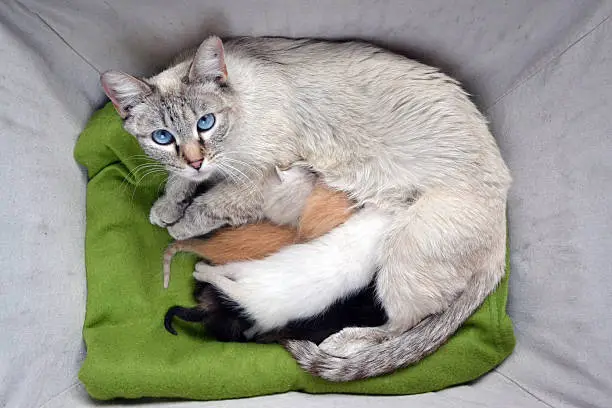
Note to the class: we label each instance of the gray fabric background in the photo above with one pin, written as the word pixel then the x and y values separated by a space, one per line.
pixel 541 70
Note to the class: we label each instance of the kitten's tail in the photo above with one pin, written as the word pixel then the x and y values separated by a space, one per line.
pixel 187 245
pixel 401 351
pixel 193 314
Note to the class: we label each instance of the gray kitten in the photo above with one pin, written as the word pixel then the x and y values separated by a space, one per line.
pixel 391 132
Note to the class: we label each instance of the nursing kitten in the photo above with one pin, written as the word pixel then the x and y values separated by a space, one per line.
pixel 324 300
pixel 384 129
pixel 323 210
pixel 225 320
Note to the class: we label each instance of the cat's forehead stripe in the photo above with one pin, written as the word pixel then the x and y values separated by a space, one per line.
pixel 177 114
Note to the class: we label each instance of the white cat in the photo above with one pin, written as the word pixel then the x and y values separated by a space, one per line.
pixel 384 129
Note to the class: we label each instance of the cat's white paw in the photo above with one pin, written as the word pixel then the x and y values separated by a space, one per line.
pixel 166 212
pixel 204 272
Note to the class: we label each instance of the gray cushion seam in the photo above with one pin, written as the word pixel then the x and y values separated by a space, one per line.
pixel 510 91
pixel 554 58
pixel 523 388
pixel 54 31
pixel 59 394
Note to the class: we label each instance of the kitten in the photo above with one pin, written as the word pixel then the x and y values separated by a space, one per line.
pixel 382 128
pixel 323 210
pixel 225 320
pixel 230 244
pixel 339 305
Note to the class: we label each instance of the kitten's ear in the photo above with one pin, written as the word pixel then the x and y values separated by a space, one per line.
pixel 123 90
pixel 209 61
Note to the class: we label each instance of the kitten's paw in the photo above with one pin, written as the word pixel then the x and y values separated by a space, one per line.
pixel 204 272
pixel 166 212
pixel 203 266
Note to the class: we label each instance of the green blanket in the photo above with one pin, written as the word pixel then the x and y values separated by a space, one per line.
pixel 129 354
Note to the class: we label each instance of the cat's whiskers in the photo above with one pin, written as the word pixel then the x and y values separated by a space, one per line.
pixel 144 167
pixel 148 173
pixel 250 168
pixel 138 156
pixel 247 185
pixel 171 177
pixel 226 156
pixel 244 177
pixel 247 181
pixel 237 178
pixel 134 172
pixel 228 174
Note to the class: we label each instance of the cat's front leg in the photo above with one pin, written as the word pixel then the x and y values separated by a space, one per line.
pixel 224 204
pixel 170 207
pixel 197 220
pixel 166 211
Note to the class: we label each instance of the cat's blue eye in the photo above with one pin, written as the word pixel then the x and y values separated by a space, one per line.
pixel 206 122
pixel 162 137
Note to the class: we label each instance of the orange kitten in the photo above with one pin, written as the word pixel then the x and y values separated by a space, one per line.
pixel 324 210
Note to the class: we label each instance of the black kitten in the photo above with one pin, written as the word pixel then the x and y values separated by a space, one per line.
pixel 225 320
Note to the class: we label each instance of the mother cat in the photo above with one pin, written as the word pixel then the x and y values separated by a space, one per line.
pixel 389 131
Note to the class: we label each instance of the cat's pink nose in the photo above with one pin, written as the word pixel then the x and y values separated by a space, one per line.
pixel 196 164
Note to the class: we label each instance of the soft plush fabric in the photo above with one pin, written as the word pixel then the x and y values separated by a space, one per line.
pixel 129 354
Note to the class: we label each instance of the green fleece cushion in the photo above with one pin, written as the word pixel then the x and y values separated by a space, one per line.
pixel 130 355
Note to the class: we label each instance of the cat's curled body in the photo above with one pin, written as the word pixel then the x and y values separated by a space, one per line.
pixel 386 130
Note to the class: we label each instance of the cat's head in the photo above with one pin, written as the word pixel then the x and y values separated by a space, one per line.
pixel 180 116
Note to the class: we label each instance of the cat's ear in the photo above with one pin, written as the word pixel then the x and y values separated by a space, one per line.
pixel 209 62
pixel 123 90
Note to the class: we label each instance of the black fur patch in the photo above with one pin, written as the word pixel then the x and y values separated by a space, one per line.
pixel 188 314
pixel 359 310
pixel 225 320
